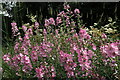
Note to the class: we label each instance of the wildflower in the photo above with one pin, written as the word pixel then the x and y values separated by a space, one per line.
pixel 104 35
pixel 75 47
pixel 16 47
pixel 51 21
pixel 13 24
pixel 25 60
pixel 94 47
pixel 53 71
pixel 34 56
pixel 62 14
pixel 76 11
pixel 26 36
pixel 46 23
pixel 72 23
pixel 82 31
pixel 44 32
pixel 53 74
pixel 29 31
pixel 66 6
pixel 39 72
pixel 15 61
pixel 110 50
pixel 27 68
pixel 20 38
pixel 6 58
pixel 56 31
pixel 75 35
pixel 36 25
pixel 58 20
pixel 14 29
pixel 83 34
pixel 24 28
pixel 67 61
pixel 67 21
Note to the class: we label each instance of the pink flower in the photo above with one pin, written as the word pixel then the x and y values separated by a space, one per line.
pixel 53 74
pixel 46 22
pixel 75 47
pixel 34 56
pixel 27 68
pixel 25 60
pixel 67 21
pixel 110 50
pixel 104 35
pixel 88 36
pixel 53 71
pixel 20 38
pixel 52 21
pixel 24 28
pixel 49 21
pixel 94 47
pixel 76 11
pixel 44 31
pixel 26 36
pixel 66 6
pixel 29 31
pixel 62 14
pixel 13 24
pixel 14 29
pixel 6 58
pixel 16 47
pixel 58 20
pixel 36 25
pixel 91 53
pixel 40 72
pixel 56 31
pixel 83 34
pixel 20 55
pixel 82 31
pixel 73 23
pixel 67 61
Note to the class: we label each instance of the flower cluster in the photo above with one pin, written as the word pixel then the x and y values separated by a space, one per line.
pixel 49 21
pixel 14 29
pixel 44 71
pixel 84 34
pixel 110 50
pixel 69 65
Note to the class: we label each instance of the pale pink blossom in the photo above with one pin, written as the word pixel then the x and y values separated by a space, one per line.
pixel 46 22
pixel 104 35
pixel 66 6
pixel 34 56
pixel 76 11
pixel 36 25
pixel 6 58
pixel 58 20
pixel 51 21
pixel 16 47
pixel 24 28
pixel 62 13
pixel 14 29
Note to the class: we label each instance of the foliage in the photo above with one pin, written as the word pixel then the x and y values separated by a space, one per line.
pixel 64 48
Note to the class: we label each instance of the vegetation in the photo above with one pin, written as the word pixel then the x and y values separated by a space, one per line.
pixel 62 44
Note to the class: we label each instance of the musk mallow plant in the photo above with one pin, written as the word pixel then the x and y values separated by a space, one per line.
pixel 65 49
